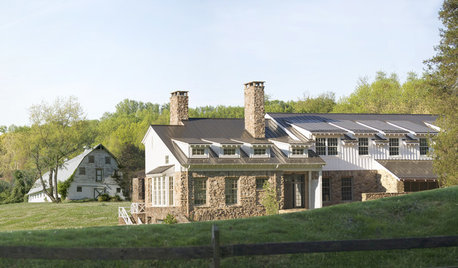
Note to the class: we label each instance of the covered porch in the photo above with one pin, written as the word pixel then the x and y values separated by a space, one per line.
pixel 301 190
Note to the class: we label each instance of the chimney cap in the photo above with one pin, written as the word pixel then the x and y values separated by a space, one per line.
pixel 255 82
pixel 179 93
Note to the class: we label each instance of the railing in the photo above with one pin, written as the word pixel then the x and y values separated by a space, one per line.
pixel 122 213
pixel 215 251
pixel 139 221
pixel 137 208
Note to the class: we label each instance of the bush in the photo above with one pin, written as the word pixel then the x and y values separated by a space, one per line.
pixel 115 198
pixel 269 199
pixel 103 198
pixel 170 219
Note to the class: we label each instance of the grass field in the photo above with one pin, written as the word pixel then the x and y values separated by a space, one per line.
pixel 420 214
pixel 35 216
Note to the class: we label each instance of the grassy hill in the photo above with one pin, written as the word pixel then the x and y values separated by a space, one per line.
pixel 420 214
pixel 35 216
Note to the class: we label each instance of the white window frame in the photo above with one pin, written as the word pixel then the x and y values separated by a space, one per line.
pixel 204 147
pixel 160 191
pixel 237 151
pixel 257 147
pixel 394 147
pixel 326 146
pixel 305 151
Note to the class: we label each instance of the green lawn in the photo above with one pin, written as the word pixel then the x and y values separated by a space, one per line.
pixel 35 216
pixel 421 214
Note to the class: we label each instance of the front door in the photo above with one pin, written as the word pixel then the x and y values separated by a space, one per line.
pixel 294 191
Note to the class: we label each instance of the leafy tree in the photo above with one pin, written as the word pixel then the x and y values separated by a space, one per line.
pixel 442 77
pixel 58 132
pixel 132 161
pixel 324 103
pixel 269 199
pixel 22 182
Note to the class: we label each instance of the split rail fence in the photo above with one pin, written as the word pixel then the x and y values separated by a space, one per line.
pixel 216 251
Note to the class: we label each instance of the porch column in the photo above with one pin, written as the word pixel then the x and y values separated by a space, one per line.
pixel 310 192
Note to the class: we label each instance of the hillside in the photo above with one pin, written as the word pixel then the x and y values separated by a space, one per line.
pixel 420 214
pixel 39 216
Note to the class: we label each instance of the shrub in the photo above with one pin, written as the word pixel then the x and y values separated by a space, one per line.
pixel 115 198
pixel 269 199
pixel 103 198
pixel 170 219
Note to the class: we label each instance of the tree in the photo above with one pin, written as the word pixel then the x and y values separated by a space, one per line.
pixel 58 132
pixel 22 182
pixel 132 162
pixel 442 77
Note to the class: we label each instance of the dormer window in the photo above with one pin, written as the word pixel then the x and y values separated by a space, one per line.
pixel 299 151
pixel 229 151
pixel 259 151
pixel 199 151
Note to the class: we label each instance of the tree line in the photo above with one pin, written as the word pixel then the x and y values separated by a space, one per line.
pixel 59 131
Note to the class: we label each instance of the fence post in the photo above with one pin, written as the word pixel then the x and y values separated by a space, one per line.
pixel 215 246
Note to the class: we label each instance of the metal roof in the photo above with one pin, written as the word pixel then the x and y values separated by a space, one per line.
pixel 419 128
pixel 410 169
pixel 160 169
pixel 192 141
pixel 383 126
pixel 354 127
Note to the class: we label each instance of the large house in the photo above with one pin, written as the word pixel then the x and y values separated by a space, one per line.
pixel 208 169
pixel 92 173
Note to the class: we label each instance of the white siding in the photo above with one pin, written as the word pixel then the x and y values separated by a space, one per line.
pixel 155 152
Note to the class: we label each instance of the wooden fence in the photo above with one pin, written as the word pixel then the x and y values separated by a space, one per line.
pixel 215 251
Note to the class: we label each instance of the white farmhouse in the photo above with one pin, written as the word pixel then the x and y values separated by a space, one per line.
pixel 93 174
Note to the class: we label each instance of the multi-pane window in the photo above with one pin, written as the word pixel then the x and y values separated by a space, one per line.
pixel 260 183
pixel 166 159
pixel 298 151
pixel 229 151
pixel 170 191
pixel 82 171
pixel 424 148
pixel 326 146
pixel 79 189
pixel 200 191
pixel 260 151
pixel 326 189
pixel 118 190
pixel 198 151
pixel 231 191
pixel 91 159
pixel 107 160
pixel 346 189
pixel 394 146
pixel 321 146
pixel 160 189
pixel 98 174
pixel 363 146
pixel 332 146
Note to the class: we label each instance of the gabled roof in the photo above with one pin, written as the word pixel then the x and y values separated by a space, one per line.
pixel 67 169
pixel 224 131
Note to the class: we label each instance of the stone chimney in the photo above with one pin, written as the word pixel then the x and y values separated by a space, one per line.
pixel 178 107
pixel 255 123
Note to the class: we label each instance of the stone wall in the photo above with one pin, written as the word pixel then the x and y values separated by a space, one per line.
pixel 138 190
pixel 374 196
pixel 389 183
pixel 363 181
pixel 254 109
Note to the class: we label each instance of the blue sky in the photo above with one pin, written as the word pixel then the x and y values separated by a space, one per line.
pixel 105 51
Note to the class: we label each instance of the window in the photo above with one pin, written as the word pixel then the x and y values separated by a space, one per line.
pixel 229 151
pixel 332 146
pixel 198 151
pixel 260 183
pixel 91 159
pixel 170 191
pixel 231 191
pixel 394 146
pixel 326 190
pixel 82 170
pixel 424 148
pixel 200 191
pixel 98 174
pixel 166 159
pixel 363 146
pixel 260 151
pixel 330 143
pixel 321 146
pixel 298 151
pixel 107 160
pixel 161 191
pixel 79 189
pixel 118 190
pixel 346 189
